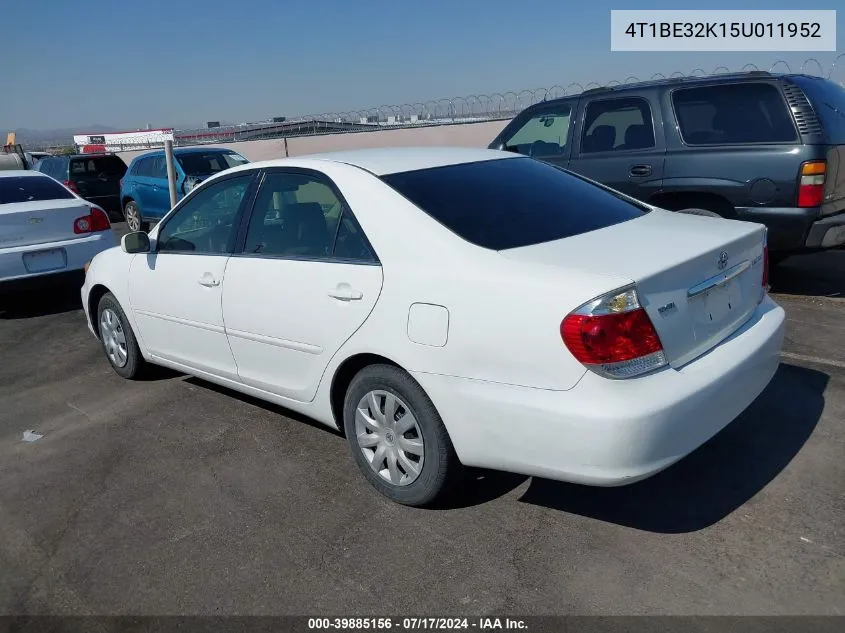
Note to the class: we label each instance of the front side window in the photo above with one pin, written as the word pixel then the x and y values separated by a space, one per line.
pixel 617 125
pixel 299 215
pixel 543 134
pixel 31 189
pixel 733 114
pixel 205 224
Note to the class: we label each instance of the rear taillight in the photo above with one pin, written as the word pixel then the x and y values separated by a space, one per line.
pixel 72 186
pixel 97 220
pixel 811 183
pixel 613 336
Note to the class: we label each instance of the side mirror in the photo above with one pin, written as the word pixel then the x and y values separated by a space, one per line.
pixel 137 242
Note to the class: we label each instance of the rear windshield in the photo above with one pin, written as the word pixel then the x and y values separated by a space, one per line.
pixel 512 202
pixel 98 166
pixel 30 189
pixel 828 100
pixel 733 114
pixel 200 163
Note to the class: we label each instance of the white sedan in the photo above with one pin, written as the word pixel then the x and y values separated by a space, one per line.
pixel 451 307
pixel 45 228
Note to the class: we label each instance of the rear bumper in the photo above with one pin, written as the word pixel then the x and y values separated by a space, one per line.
pixel 71 255
pixel 610 432
pixel 797 229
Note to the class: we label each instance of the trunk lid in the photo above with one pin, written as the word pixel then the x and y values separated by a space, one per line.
pixel 698 278
pixel 39 221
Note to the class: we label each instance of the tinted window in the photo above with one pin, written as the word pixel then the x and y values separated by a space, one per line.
pixel 144 167
pixel 31 188
pixel 828 100
pixel 201 163
pixel 617 124
pixel 733 114
pixel 511 202
pixel 206 222
pixel 545 133
pixel 98 166
pixel 158 167
pixel 297 215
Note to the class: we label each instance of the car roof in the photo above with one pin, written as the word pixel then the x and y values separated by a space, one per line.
pixel 183 150
pixel 390 160
pixel 17 173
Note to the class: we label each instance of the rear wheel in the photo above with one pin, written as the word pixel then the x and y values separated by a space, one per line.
pixel 397 437
pixel 133 217
pixel 118 339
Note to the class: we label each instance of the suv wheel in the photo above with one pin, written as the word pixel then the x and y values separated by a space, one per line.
pixel 133 217
pixel 397 437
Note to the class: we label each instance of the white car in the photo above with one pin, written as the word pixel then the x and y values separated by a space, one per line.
pixel 45 228
pixel 449 307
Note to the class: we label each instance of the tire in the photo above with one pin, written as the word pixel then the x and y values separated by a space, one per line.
pixel 124 356
pixel 704 212
pixel 133 217
pixel 438 465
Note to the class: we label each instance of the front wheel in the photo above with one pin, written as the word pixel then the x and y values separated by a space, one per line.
pixel 133 217
pixel 118 339
pixel 397 437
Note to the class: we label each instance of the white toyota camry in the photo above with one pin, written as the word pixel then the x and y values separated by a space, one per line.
pixel 45 228
pixel 449 307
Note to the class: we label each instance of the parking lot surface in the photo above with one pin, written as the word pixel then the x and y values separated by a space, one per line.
pixel 173 496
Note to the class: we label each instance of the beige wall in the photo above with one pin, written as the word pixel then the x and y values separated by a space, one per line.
pixel 461 135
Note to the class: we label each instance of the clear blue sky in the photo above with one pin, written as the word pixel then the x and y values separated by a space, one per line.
pixel 178 62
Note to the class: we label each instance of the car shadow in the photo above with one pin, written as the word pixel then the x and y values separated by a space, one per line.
pixel 41 297
pixel 718 477
pixel 819 275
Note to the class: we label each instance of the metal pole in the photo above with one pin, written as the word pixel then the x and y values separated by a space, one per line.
pixel 171 171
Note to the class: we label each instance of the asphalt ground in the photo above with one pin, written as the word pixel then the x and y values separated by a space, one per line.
pixel 173 496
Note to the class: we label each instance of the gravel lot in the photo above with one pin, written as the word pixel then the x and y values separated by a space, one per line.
pixel 173 496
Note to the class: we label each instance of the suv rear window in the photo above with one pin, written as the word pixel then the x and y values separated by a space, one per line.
pixel 31 189
pixel 96 165
pixel 512 202
pixel 732 114
pixel 201 163
pixel 828 100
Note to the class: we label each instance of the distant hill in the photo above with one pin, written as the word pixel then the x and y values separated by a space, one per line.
pixel 59 136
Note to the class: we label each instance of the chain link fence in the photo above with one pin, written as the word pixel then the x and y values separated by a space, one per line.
pixel 445 111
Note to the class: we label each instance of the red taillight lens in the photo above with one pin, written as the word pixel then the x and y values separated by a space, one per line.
pixel 96 221
pixel 614 336
pixel 72 186
pixel 811 183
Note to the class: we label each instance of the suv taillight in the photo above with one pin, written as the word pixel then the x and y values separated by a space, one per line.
pixel 811 183
pixel 72 186
pixel 97 220
pixel 613 336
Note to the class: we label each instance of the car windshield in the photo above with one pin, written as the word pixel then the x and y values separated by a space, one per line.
pixel 30 189
pixel 204 163
pixel 512 202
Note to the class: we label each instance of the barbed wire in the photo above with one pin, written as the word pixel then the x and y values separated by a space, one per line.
pixel 444 111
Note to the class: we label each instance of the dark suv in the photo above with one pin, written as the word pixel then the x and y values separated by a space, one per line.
pixel 95 177
pixel 755 146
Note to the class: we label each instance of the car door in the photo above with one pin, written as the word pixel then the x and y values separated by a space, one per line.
pixel 304 280
pixel 159 193
pixel 175 290
pixel 142 189
pixel 619 145
pixel 542 133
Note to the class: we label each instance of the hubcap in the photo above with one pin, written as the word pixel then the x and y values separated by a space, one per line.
pixel 389 437
pixel 133 218
pixel 114 338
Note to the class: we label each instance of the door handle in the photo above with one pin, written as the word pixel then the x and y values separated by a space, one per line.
pixel 208 280
pixel 345 292
pixel 640 170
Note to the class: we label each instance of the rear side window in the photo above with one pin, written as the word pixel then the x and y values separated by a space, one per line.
pixel 733 114
pixel 512 202
pixel 31 189
pixel 144 167
pixel 828 100
pixel 617 125
pixel 202 163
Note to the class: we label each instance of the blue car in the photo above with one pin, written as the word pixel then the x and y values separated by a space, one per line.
pixel 144 194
